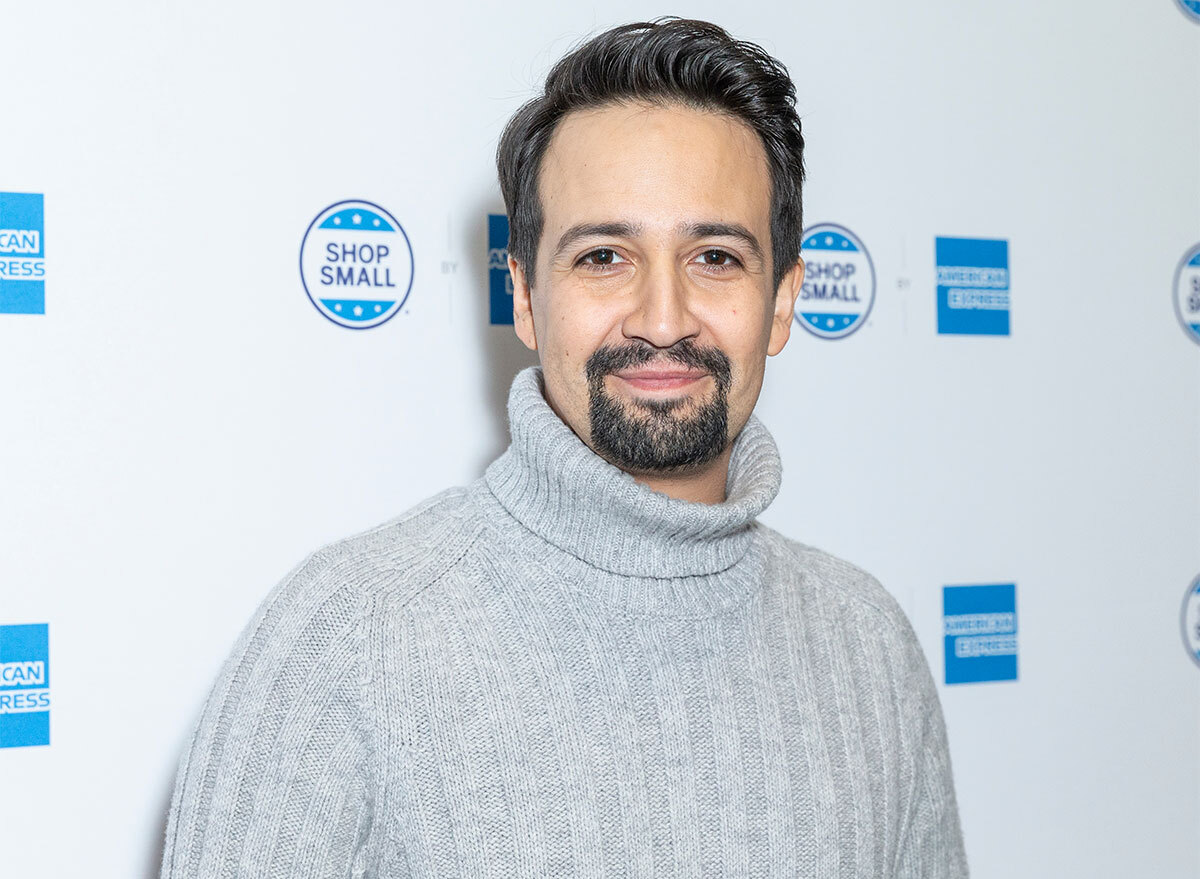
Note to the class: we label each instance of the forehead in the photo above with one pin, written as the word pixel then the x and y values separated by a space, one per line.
pixel 656 166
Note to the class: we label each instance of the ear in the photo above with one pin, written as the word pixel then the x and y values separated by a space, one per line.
pixel 522 305
pixel 785 308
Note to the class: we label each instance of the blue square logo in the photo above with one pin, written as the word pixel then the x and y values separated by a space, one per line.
pixel 980 628
pixel 972 286
pixel 24 685
pixel 500 286
pixel 22 254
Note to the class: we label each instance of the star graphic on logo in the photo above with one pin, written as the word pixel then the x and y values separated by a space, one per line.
pixel 358 311
pixel 357 219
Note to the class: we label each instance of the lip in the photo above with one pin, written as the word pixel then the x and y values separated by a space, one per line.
pixel 660 379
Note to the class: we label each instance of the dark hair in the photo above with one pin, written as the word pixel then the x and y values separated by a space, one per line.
pixel 667 60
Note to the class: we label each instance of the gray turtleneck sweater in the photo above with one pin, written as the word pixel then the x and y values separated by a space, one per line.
pixel 557 672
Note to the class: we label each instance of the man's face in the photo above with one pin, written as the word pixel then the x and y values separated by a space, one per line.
pixel 654 308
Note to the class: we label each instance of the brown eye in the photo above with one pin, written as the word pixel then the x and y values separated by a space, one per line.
pixel 718 258
pixel 601 257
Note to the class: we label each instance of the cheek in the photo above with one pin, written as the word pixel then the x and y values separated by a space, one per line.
pixel 742 331
pixel 575 328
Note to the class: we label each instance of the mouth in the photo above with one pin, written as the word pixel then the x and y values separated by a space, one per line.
pixel 660 379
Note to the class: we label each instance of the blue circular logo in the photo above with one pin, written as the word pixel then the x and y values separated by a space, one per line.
pixel 356 264
pixel 1191 8
pixel 1187 293
pixel 839 282
pixel 1190 619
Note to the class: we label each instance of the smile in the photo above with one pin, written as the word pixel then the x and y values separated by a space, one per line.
pixel 661 378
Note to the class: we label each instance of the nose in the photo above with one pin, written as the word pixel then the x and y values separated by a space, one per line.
pixel 660 312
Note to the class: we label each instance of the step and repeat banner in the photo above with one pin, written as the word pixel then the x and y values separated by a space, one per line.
pixel 253 298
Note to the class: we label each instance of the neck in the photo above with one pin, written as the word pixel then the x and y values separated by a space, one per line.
pixel 551 482
pixel 705 485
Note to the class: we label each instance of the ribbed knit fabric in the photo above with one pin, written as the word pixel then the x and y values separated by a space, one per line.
pixel 557 672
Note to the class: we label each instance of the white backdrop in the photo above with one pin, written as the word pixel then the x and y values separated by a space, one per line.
pixel 181 425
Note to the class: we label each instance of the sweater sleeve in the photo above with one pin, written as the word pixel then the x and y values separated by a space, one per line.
pixel 931 846
pixel 275 780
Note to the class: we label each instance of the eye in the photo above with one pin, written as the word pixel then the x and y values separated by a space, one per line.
pixel 601 257
pixel 718 259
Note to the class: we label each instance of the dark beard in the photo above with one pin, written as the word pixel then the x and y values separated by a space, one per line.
pixel 653 437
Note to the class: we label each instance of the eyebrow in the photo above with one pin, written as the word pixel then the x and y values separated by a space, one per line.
pixel 724 230
pixel 631 230
pixel 587 230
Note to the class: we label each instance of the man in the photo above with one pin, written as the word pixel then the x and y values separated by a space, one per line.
pixel 594 661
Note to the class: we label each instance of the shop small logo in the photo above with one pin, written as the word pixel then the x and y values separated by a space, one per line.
pixel 500 285
pixel 356 264
pixel 980 629
pixel 972 286
pixel 839 282
pixel 22 253
pixel 1191 8
pixel 24 685
pixel 1187 292
pixel 1190 620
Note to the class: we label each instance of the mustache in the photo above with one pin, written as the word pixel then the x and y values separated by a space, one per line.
pixel 608 359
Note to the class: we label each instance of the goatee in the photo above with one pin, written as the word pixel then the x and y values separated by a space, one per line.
pixel 658 436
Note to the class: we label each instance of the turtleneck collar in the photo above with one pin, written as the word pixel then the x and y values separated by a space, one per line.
pixel 561 490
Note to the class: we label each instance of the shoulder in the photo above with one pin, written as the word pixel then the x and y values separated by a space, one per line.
pixel 845 593
pixel 418 542
pixel 833 579
pixel 336 584
pixel 850 605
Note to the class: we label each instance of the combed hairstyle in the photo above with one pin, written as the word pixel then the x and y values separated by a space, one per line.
pixel 668 60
